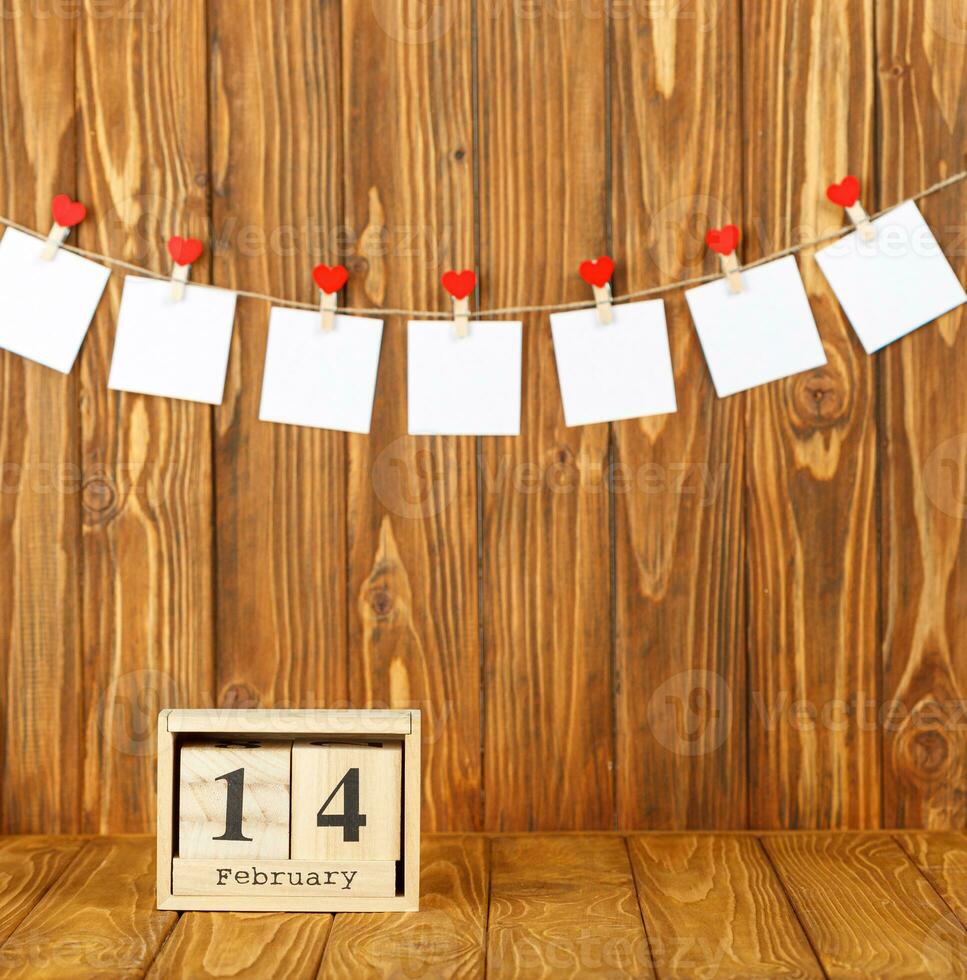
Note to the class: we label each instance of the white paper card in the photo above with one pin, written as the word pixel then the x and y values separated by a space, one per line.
pixel 761 334
pixel 324 380
pixel 464 385
pixel 175 349
pixel 899 281
pixel 613 371
pixel 46 307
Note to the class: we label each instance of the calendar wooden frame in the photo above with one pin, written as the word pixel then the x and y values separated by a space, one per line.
pixel 177 724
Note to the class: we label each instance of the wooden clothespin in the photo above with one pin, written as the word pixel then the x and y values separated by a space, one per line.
pixel 460 285
pixel 725 240
pixel 847 195
pixel 330 279
pixel 67 213
pixel 183 252
pixel 597 274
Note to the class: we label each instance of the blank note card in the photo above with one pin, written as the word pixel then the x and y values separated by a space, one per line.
pixel 322 379
pixel 761 334
pixel 617 370
pixel 899 281
pixel 171 348
pixel 464 385
pixel 46 307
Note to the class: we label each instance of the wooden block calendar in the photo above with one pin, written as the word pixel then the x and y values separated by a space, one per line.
pixel 288 810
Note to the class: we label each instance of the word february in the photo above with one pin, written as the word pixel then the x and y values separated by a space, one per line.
pixel 291 878
pixel 294 879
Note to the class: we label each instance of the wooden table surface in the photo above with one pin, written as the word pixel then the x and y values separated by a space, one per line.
pixel 667 905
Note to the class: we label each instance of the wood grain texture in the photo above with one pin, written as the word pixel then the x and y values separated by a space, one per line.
pixel 280 490
pixel 28 867
pixel 98 919
pixel 811 438
pixel 545 504
pixel 865 907
pixel 713 908
pixel 714 905
pixel 40 616
pixel 679 533
pixel 942 859
pixel 147 478
pixel 709 623
pixel 411 518
pixel 564 906
pixel 244 945
pixel 445 938
pixel 922 62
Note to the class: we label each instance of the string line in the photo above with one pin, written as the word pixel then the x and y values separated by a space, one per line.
pixel 501 310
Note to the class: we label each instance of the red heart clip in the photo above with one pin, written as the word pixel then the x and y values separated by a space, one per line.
pixel 330 278
pixel 459 284
pixel 184 251
pixel 846 193
pixel 598 271
pixel 66 212
pixel 722 240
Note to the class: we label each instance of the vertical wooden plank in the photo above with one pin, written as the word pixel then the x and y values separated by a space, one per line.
pixel 922 71
pixel 39 496
pixel 447 937
pixel 280 490
pixel 866 909
pixel 408 142
pixel 679 528
pixel 564 906
pixel 99 918
pixel 713 906
pixel 545 507
pixel 147 504
pixel 811 474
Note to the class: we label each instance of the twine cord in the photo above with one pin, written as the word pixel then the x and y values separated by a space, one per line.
pixel 497 311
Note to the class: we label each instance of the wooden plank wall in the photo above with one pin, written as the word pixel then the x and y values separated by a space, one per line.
pixel 40 520
pixel 811 439
pixel 748 614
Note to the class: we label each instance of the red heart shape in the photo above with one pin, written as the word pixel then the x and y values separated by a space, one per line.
pixel 184 251
pixel 722 240
pixel 66 212
pixel 459 284
pixel 598 271
pixel 846 193
pixel 330 278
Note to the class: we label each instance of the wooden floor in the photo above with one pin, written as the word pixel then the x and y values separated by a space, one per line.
pixel 666 905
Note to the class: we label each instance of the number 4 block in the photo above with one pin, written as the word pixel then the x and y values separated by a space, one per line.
pixel 346 800
pixel 234 800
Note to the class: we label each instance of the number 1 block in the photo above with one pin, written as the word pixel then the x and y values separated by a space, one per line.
pixel 346 800
pixel 233 800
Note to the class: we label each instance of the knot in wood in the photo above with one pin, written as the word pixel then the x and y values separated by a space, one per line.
pixel 896 69
pixel 99 499
pixel 381 602
pixel 930 753
pixel 821 399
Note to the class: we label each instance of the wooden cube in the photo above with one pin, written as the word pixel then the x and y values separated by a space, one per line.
pixel 234 799
pixel 346 800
